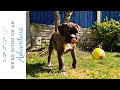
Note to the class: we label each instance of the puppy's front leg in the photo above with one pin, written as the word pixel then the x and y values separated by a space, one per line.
pixel 61 63
pixel 73 53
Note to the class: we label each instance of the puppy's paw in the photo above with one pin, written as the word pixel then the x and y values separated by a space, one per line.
pixel 74 66
pixel 62 72
pixel 49 65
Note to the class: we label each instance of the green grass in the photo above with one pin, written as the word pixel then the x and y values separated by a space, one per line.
pixel 87 68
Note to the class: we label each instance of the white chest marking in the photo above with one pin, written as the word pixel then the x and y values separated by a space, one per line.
pixel 68 46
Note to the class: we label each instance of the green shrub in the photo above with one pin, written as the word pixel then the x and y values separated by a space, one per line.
pixel 108 32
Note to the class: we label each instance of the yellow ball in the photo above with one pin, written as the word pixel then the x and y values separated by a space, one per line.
pixel 98 53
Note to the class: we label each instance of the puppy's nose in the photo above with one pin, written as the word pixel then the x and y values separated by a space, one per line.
pixel 73 35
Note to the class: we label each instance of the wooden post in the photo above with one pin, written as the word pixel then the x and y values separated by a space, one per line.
pixel 28 35
pixel 98 16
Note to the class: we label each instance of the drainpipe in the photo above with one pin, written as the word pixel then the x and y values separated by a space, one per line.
pixel 98 16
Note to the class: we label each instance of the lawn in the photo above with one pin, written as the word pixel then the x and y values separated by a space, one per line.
pixel 87 68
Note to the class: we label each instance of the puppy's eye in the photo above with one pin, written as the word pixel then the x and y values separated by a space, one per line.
pixel 69 29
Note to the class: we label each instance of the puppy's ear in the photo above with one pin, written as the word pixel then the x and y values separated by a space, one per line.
pixel 61 28
pixel 78 29
pixel 77 26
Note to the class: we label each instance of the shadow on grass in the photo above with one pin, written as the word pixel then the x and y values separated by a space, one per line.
pixel 118 55
pixel 33 69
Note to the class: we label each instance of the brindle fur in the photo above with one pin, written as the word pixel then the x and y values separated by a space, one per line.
pixel 63 45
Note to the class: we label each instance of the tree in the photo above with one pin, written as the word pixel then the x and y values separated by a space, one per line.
pixel 57 20
pixel 67 17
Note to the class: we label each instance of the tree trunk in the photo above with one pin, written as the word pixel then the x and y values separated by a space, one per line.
pixel 57 20
pixel 67 16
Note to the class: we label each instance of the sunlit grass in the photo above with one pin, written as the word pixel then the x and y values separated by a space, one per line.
pixel 87 68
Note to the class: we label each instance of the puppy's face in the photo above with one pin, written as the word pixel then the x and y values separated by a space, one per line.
pixel 69 31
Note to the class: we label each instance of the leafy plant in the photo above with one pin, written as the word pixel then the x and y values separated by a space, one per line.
pixel 108 32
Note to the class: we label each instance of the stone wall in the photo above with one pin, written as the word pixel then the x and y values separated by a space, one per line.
pixel 88 39
pixel 41 34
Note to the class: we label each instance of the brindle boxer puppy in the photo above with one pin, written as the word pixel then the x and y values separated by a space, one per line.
pixel 63 42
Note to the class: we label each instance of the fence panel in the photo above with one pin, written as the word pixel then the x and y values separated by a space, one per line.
pixel 110 14
pixel 83 18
